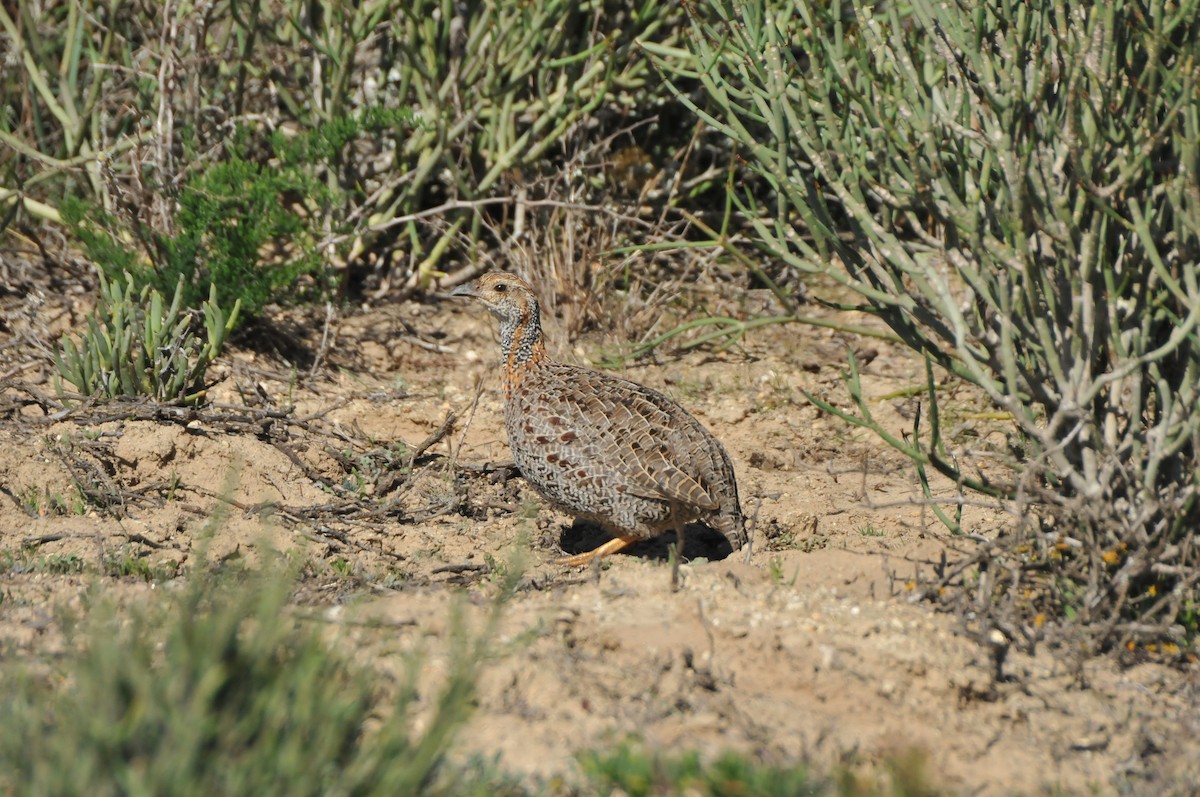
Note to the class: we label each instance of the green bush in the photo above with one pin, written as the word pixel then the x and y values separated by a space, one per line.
pixel 136 346
pixel 1011 187
pixel 219 688
pixel 632 770
pixel 238 231
pixel 240 227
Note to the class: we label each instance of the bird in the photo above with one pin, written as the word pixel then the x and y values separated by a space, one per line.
pixel 601 447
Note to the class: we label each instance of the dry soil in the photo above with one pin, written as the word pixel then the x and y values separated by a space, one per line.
pixel 809 646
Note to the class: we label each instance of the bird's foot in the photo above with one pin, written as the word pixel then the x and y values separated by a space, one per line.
pixel 612 546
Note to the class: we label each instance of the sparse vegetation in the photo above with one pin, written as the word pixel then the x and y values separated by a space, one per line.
pixel 27 560
pixel 375 472
pixel 41 502
pixel 136 346
pixel 63 564
pixel 778 577
pixel 630 768
pixel 342 568
pixel 126 563
pixel 633 770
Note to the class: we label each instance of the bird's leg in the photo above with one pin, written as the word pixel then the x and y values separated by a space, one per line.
pixel 620 542
pixel 678 554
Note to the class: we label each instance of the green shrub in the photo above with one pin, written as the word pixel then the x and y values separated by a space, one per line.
pixel 26 560
pixel 238 231
pixel 134 346
pixel 632 770
pixel 219 689
pixel 240 227
pixel 1011 186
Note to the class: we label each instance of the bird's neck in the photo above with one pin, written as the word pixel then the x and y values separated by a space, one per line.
pixel 522 344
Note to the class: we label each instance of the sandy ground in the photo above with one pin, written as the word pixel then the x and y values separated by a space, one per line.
pixel 809 648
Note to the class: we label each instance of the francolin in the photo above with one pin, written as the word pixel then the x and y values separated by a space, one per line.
pixel 600 447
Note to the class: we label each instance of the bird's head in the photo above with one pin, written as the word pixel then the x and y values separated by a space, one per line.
pixel 506 296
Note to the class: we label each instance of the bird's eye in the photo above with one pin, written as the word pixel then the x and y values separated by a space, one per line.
pixel 501 288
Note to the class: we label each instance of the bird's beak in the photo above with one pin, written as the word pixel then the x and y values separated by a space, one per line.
pixel 466 289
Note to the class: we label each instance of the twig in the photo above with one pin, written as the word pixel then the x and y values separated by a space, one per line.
pixel 142 539
pixel 323 349
pixel 433 439
pixel 753 529
pixel 304 467
pixel 34 542
pixel 465 567
pixel 470 417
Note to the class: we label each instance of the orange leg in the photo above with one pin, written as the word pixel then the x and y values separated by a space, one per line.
pixel 612 546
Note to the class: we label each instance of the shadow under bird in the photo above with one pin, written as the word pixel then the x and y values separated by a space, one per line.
pixel 600 447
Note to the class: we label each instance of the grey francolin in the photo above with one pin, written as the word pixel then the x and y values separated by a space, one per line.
pixel 600 447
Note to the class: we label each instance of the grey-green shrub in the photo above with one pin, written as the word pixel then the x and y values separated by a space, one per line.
pixel 1012 187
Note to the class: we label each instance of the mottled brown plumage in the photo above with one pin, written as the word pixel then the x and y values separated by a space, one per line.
pixel 601 447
